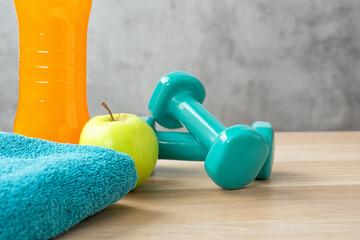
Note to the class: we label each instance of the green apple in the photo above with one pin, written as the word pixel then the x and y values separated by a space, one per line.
pixel 125 133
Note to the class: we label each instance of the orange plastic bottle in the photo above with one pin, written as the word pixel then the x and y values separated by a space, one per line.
pixel 52 87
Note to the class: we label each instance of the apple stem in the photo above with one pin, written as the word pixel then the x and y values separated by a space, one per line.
pixel 107 108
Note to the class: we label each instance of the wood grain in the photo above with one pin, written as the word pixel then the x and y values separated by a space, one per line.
pixel 314 193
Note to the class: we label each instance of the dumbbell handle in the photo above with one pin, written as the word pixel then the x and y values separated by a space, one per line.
pixel 180 146
pixel 177 145
pixel 194 116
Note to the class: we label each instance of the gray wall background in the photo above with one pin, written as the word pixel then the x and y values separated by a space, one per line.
pixel 293 63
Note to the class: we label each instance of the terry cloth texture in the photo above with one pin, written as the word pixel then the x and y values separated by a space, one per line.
pixel 47 187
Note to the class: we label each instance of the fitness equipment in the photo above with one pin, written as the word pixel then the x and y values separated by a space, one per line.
pixel 183 146
pixel 235 154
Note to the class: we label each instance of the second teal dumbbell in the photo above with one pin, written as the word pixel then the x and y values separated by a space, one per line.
pixel 235 155
pixel 183 146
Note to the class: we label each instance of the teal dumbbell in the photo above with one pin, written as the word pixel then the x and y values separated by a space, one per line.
pixel 183 146
pixel 235 154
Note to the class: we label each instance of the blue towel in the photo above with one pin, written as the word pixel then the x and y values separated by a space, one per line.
pixel 47 187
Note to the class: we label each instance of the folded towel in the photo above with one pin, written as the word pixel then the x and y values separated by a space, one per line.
pixel 47 187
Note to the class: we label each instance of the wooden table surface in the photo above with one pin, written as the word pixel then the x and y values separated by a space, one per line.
pixel 313 193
